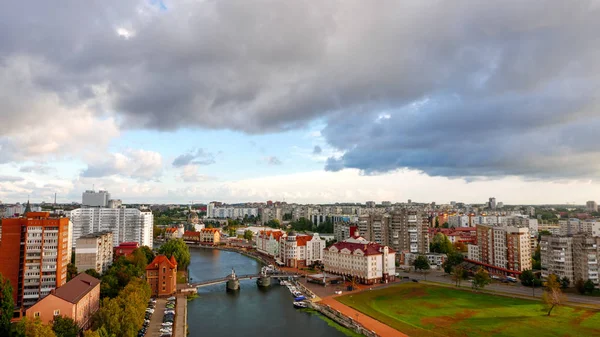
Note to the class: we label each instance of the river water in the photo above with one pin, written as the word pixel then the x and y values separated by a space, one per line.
pixel 251 311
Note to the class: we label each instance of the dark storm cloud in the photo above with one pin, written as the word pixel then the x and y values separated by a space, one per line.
pixel 456 88
pixel 199 157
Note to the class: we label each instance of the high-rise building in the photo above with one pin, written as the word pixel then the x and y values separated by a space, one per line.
pixel 586 253
pixel 374 228
pixel 503 247
pixel 95 199
pixel 94 251
pixel 126 224
pixel 591 206
pixel 518 245
pixel 408 231
pixel 556 253
pixel 34 253
pixel 492 203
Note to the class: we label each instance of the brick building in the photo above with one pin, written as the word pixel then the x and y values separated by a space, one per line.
pixel 161 275
pixel 79 299
pixel 34 253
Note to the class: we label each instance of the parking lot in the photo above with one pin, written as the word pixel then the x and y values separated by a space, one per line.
pixel 156 320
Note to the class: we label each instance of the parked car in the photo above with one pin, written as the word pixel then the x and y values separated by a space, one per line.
pixel 172 298
pixel 415 280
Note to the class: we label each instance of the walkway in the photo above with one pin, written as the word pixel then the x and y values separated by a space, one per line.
pixel 368 322
pixel 180 317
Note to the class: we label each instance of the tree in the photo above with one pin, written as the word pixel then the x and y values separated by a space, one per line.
pixel 441 244
pixel 7 305
pixel 71 271
pixel 528 279
pixel 248 235
pixel 481 279
pixel 93 273
pixel 553 296
pixel 65 327
pixel 179 249
pixel 148 252
pixel 589 287
pixel 138 258
pixel 422 263
pixel 437 222
pixel 536 260
pixel 445 225
pixel 460 247
pixel 580 286
pixel 33 328
pixel 459 274
pixel 453 259
pixel 273 223
pixel 565 282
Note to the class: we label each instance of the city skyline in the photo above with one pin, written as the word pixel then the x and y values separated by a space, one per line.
pixel 340 101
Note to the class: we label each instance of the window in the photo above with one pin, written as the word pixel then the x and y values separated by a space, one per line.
pixel 56 312
pixel 36 314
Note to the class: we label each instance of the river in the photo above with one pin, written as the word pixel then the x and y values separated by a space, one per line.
pixel 251 311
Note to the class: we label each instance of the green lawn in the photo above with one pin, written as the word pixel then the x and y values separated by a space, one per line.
pixel 426 310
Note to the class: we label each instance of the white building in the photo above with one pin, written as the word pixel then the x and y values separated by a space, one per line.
pixel 230 212
pixel 293 250
pixel 126 224
pixel 95 199
pixel 591 206
pixel 368 262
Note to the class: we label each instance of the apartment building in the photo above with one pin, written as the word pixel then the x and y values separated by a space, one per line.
pixel 368 262
pixel 94 251
pixel 557 256
pixel 34 253
pixel 297 250
pixel 518 245
pixel 408 231
pixel 591 206
pixel 504 247
pixel 79 299
pixel 586 254
pixel 341 230
pixel 126 224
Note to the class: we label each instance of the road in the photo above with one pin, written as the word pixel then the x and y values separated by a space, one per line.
pixel 509 288
pixel 156 319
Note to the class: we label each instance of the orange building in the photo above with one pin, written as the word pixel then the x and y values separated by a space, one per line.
pixel 34 253
pixel 191 236
pixel 79 299
pixel 161 275
pixel 210 236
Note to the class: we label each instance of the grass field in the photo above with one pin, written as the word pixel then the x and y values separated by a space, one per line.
pixel 425 310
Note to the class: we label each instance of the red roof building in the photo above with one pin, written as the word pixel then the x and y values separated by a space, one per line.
pixel 368 262
pixel 161 275
pixel 124 249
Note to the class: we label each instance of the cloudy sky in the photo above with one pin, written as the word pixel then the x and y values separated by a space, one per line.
pixel 307 101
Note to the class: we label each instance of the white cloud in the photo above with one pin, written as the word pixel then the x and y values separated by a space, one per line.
pixel 139 164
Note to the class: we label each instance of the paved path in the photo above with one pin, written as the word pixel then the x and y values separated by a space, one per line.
pixel 368 322
pixel 156 319
pixel 180 327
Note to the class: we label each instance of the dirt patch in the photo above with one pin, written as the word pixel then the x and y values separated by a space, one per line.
pixel 431 305
pixel 586 314
pixel 415 292
pixel 447 321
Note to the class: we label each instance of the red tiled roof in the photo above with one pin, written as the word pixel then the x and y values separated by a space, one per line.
pixel 160 259
pixel 78 287
pixel 301 240
pixel 191 233
pixel 128 244
pixel 209 230
pixel 371 248
pixel 170 230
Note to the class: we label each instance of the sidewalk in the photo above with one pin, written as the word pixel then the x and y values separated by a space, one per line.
pixel 368 322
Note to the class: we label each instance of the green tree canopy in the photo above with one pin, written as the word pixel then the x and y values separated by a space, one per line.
pixel 93 273
pixel 453 259
pixel 421 263
pixel 589 287
pixel 179 249
pixel 7 305
pixel 28 327
pixel 248 235
pixel 148 252
pixel 302 225
pixel 441 244
pixel 71 271
pixel 273 223
pixel 65 327
pixel 527 278
pixel 481 279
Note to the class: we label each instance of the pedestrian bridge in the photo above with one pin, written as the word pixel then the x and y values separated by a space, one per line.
pixel 239 277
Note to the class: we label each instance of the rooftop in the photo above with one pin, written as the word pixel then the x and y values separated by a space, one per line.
pixel 95 235
pixel 78 287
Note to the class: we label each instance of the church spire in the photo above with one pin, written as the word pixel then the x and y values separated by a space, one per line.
pixel 27 208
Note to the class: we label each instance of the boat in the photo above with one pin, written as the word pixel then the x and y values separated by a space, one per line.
pixel 299 298
pixel 300 305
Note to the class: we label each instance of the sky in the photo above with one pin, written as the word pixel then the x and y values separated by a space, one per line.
pixel 302 101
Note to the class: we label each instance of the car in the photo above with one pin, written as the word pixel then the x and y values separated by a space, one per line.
pixel 167 324
pixel 415 280
pixel 165 335
pixel 150 310
pixel 172 298
pixel 338 292
pixel 166 330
